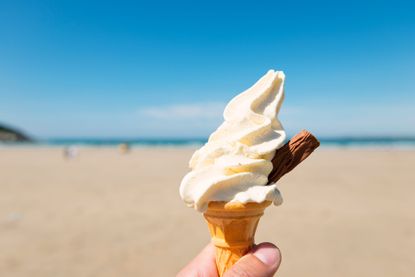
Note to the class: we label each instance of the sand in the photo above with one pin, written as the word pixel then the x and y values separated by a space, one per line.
pixel 346 213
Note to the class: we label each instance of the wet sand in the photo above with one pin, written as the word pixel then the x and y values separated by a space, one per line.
pixel 347 212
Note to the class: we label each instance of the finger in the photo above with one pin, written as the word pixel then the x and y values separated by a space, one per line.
pixel 262 261
pixel 203 264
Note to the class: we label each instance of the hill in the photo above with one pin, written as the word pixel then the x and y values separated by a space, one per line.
pixel 9 134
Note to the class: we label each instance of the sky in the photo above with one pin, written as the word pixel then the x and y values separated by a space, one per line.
pixel 167 69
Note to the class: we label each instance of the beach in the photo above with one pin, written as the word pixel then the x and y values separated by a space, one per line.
pixel 346 212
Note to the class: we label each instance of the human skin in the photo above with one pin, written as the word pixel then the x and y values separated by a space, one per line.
pixel 262 261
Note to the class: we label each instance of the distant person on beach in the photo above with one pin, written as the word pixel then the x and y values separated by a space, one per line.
pixel 70 152
pixel 262 261
pixel 124 148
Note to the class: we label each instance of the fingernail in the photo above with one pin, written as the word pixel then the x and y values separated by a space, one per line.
pixel 267 253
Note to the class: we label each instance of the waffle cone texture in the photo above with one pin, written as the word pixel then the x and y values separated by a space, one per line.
pixel 232 227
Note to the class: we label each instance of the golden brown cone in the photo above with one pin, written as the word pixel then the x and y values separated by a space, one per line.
pixel 232 227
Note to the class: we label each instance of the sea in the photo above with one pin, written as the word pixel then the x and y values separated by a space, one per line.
pixel 345 142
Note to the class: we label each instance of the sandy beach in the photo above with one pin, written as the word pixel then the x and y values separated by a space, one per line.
pixel 347 212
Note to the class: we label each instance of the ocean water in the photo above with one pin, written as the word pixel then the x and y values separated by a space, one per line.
pixel 131 142
pixel 404 142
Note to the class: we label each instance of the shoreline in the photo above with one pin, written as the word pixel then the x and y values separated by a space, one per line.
pixel 401 147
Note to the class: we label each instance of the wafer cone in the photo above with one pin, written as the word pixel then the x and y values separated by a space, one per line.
pixel 232 227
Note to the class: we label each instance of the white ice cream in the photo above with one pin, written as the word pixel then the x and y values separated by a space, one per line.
pixel 234 164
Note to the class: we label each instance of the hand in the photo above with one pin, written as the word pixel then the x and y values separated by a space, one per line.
pixel 262 261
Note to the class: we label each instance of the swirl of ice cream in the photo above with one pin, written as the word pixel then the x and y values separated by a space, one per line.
pixel 234 164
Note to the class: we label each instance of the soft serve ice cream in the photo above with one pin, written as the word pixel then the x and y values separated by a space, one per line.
pixel 233 166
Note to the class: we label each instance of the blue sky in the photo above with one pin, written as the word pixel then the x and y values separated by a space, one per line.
pixel 167 69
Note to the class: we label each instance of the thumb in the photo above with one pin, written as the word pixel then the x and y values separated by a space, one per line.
pixel 262 261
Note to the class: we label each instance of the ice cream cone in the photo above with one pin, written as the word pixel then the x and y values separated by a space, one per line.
pixel 232 227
